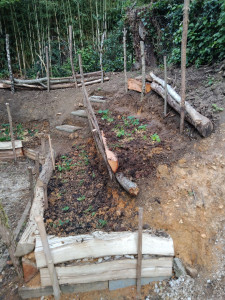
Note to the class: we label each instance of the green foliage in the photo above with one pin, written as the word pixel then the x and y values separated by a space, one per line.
pixel 65 165
pixel 155 138
pixel 66 208
pixel 81 198
pixel 216 108
pixel 102 223
pixel 18 132
pixel 106 115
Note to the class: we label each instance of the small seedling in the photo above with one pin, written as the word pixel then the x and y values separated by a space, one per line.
pixel 142 127
pixel 155 138
pixel 144 137
pixel 90 208
pixel 66 208
pixel 61 223
pixel 81 182
pixel 102 222
pixel 216 108
pixel 121 132
pixel 93 214
pixel 82 198
pixel 106 115
pixel 93 175
pixel 133 121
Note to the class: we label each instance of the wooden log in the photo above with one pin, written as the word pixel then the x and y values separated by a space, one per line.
pixel 68 85
pixel 30 173
pixel 30 153
pixel 51 268
pixel 111 156
pixel 8 145
pixel 51 152
pixel 37 164
pixel 8 154
pixel 100 244
pixel 139 260
pixel 165 86
pixel 117 269
pixel 200 122
pixel 9 64
pixel 129 186
pixel 136 85
pixel 11 131
pixel 47 169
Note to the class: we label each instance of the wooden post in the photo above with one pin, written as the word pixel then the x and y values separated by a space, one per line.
pixel 48 256
pixel 125 57
pixel 47 68
pixel 71 55
pixel 8 239
pixel 43 149
pixel 142 45
pixel 101 50
pixel 139 260
pixel 37 164
pixel 31 183
pixel 11 130
pixel 45 195
pixel 166 92
pixel 51 151
pixel 9 64
pixel 183 63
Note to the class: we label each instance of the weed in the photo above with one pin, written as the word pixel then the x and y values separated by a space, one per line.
pixel 93 214
pixel 216 108
pixel 89 209
pixel 66 164
pixel 93 174
pixel 5 132
pixel 102 223
pixel 120 132
pixel 142 127
pixel 61 223
pixel 144 137
pixel 81 198
pixel 133 121
pixel 155 138
pixel 81 182
pixel 106 115
pixel 66 208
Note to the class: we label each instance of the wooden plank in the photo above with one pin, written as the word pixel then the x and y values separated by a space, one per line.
pixel 99 244
pixel 136 85
pixel 28 293
pixel 30 153
pixel 8 145
pixel 118 269
pixel 8 154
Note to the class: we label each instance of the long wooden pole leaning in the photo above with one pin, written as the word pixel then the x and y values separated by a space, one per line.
pixel 47 64
pixel 183 62
pixel 142 46
pixel 9 64
pixel 125 57
pixel 48 257
pixel 139 260
pixel 71 55
pixel 166 92
pixel 11 130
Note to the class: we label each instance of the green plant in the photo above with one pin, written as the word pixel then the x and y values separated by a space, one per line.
pixel 142 127
pixel 66 208
pixel 133 120
pixel 93 174
pixel 82 198
pixel 61 223
pixel 120 132
pixel 216 108
pixel 89 209
pixel 102 223
pixel 144 137
pixel 81 182
pixel 65 165
pixel 106 115
pixel 155 138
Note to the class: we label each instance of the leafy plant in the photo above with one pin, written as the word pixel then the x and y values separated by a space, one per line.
pixel 106 115
pixel 102 223
pixel 82 198
pixel 89 209
pixel 216 108
pixel 120 132
pixel 142 127
pixel 65 165
pixel 133 120
pixel 155 138
pixel 66 208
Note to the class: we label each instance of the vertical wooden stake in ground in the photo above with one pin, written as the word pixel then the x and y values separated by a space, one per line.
pixel 125 57
pixel 9 64
pixel 101 53
pixel 47 70
pixel 8 239
pixel 11 130
pixel 31 183
pixel 139 260
pixel 166 92
pixel 71 55
pixel 51 150
pixel 48 256
pixel 183 62
pixel 142 45
pixel 37 164
pixel 43 150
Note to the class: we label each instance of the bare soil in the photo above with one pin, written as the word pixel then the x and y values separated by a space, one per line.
pixel 181 178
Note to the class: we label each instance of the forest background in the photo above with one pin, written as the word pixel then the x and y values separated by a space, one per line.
pixel 34 24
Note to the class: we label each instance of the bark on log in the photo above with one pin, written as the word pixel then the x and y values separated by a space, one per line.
pixel 136 85
pixel 200 122
pixel 111 156
pixel 129 186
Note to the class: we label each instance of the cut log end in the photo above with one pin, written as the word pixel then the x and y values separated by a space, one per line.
pixel 128 185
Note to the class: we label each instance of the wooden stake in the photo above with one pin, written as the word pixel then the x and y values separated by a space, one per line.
pixel 48 256
pixel 125 57
pixel 139 260
pixel 11 130
pixel 183 63
pixel 37 164
pixel 43 149
pixel 51 150
pixel 101 52
pixel 166 93
pixel 31 183
pixel 47 71
pixel 9 64
pixel 142 45
pixel 71 54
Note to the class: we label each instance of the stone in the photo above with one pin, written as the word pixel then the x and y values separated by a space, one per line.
pixel 79 113
pixel 107 257
pixel 100 260
pixel 146 226
pixel 118 256
pixel 178 267
pixel 29 269
pixel 129 256
pixel 68 128
pixel 192 272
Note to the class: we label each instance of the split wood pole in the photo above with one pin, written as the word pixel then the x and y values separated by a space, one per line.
pixel 48 256
pixel 139 260
pixel 9 64
pixel 125 57
pixel 166 92
pixel 183 62
pixel 142 45
pixel 8 239
pixel 101 53
pixel 43 149
pixel 37 164
pixel 11 130
pixel 51 151
pixel 31 183
pixel 45 195
pixel 47 68
pixel 71 55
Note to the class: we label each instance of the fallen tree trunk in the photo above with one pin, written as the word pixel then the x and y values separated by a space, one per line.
pixel 200 122
pixel 129 186
pixel 111 156
pixel 68 85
